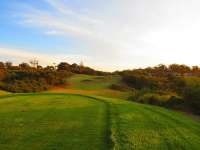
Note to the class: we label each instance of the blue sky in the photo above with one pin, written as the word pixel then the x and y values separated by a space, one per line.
pixel 107 34
pixel 14 34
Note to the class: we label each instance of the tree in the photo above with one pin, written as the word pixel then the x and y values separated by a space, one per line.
pixel 160 70
pixel 24 66
pixel 75 68
pixel 34 63
pixel 63 66
pixel 39 67
pixel 2 66
pixel 139 81
pixel 181 69
pixel 192 97
pixel 49 68
pixel 195 69
pixel 8 64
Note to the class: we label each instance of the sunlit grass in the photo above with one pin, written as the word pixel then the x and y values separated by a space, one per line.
pixel 93 85
pixel 87 82
pixel 70 121
pixel 3 93
pixel 90 115
pixel 139 126
pixel 52 122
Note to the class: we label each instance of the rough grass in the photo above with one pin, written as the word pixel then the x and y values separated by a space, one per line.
pixel 67 121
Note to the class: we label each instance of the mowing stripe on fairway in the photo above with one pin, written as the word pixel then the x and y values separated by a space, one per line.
pixel 92 132
pixel 109 123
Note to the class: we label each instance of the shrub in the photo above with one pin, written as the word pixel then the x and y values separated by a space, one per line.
pixel 175 102
pixel 157 98
pixel 140 81
pixel 192 98
pixel 119 87
pixel 35 81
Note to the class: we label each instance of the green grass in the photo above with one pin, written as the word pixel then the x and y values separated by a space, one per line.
pixel 3 93
pixel 87 82
pixel 137 126
pixel 93 85
pixel 52 122
pixel 69 121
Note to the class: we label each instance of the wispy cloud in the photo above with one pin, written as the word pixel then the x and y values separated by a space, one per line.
pixel 64 21
pixel 129 33
pixel 24 55
pixel 63 9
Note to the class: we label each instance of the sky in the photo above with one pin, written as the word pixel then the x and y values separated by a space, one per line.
pixel 105 34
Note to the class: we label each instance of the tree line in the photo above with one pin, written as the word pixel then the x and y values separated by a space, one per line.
pixel 31 77
pixel 174 86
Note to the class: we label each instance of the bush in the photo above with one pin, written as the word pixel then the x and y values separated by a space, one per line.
pixel 33 81
pixel 175 102
pixel 140 81
pixel 192 98
pixel 152 98
pixel 119 87
pixel 20 86
pixel 157 98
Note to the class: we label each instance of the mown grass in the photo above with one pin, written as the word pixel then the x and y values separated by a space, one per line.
pixel 3 93
pixel 137 126
pixel 93 85
pixel 92 82
pixel 52 122
pixel 69 121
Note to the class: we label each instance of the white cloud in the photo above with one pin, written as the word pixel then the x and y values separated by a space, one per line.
pixel 125 32
pixel 24 55
pixel 21 55
pixel 63 9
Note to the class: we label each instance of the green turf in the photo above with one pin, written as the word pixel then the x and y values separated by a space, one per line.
pixel 137 126
pixel 52 122
pixel 3 93
pixel 87 82
pixel 96 85
pixel 67 121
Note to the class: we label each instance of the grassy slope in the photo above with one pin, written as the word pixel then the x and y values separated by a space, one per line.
pixel 52 122
pixel 61 121
pixel 3 93
pixel 93 82
pixel 93 85
pixel 58 121
pixel 139 126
